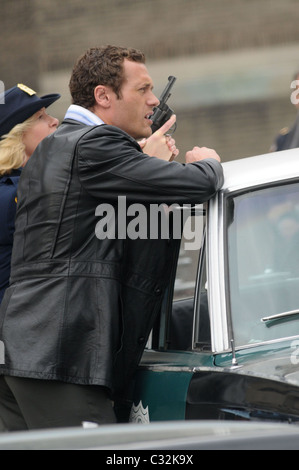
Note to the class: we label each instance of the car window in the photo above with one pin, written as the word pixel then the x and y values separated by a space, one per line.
pixel 202 327
pixel 173 328
pixel 190 249
pixel 180 326
pixel 263 263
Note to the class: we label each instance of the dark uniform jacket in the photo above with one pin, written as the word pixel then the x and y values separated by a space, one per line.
pixel 8 204
pixel 288 138
pixel 80 309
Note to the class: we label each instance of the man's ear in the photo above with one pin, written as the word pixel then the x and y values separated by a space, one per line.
pixel 102 96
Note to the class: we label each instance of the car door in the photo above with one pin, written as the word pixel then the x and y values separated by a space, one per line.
pixel 163 378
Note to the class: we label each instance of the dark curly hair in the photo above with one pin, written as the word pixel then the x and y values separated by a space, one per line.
pixel 100 66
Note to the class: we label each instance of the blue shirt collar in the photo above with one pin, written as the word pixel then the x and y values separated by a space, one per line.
pixel 78 113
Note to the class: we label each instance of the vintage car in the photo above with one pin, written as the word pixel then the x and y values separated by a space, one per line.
pixel 226 344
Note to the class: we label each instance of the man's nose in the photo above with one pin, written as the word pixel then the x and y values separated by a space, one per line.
pixel 154 100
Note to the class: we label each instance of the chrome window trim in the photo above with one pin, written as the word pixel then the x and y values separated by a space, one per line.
pixel 215 270
pixel 264 343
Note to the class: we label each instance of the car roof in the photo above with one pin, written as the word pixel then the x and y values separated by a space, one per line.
pixel 261 169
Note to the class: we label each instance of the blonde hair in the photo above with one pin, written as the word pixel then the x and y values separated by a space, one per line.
pixel 12 149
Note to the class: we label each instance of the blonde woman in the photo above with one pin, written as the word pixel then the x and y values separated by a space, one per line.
pixel 23 124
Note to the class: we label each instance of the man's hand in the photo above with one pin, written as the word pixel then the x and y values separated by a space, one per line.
pixel 160 145
pixel 201 153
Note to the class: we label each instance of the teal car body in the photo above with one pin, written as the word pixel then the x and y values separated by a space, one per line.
pixel 226 344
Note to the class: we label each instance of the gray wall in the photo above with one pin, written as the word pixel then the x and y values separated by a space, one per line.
pixel 234 59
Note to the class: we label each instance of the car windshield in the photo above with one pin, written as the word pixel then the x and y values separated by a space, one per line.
pixel 263 263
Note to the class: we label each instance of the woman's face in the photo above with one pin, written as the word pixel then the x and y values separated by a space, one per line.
pixel 43 126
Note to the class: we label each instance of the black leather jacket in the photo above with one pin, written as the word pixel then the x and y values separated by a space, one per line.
pixel 80 309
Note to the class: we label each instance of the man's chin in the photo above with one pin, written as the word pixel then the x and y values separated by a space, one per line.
pixel 148 132
pixel 144 135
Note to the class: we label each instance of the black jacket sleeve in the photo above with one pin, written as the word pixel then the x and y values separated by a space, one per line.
pixel 111 163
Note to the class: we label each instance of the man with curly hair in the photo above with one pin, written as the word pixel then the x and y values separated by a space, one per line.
pixel 76 317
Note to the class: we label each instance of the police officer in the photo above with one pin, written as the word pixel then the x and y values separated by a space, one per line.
pixel 288 138
pixel 23 124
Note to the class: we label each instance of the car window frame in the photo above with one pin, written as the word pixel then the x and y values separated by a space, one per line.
pixel 164 334
pixel 228 197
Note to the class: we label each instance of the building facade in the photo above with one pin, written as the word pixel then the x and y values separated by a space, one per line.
pixel 234 60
